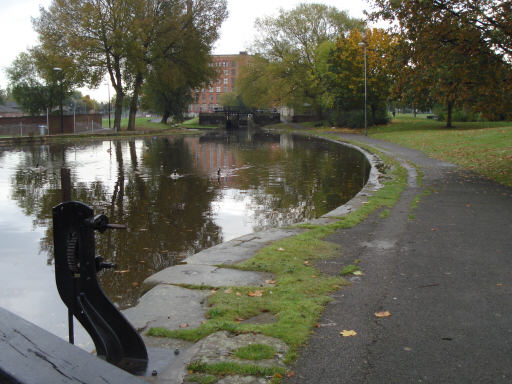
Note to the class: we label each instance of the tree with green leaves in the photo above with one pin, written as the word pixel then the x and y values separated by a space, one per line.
pixel 285 54
pixel 172 77
pixel 34 83
pixel 451 49
pixel 123 38
pixel 344 80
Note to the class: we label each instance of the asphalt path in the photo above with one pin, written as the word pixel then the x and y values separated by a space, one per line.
pixel 445 277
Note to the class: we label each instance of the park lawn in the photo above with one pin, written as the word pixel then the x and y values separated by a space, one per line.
pixel 141 124
pixel 483 147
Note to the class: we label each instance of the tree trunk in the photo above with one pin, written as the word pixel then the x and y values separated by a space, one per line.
pixel 134 101
pixel 118 110
pixel 449 114
pixel 165 117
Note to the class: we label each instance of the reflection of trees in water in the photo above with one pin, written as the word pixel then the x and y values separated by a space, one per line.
pixel 170 218
pixel 167 219
pixel 293 186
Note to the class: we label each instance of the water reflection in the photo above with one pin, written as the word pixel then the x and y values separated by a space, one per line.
pixel 177 195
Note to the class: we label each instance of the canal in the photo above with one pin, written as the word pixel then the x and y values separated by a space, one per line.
pixel 177 196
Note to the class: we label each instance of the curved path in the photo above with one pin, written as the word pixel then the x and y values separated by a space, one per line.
pixel 445 276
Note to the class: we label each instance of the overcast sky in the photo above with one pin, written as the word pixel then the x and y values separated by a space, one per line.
pixel 236 34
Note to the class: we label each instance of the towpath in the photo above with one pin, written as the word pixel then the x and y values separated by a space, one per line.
pixel 444 276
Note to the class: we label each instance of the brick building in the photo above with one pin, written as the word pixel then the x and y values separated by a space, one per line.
pixel 228 68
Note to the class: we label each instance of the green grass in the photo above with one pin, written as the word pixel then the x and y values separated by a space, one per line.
pixel 300 292
pixel 194 124
pixel 229 368
pixel 349 269
pixel 141 124
pixel 483 147
pixel 202 379
pixel 255 352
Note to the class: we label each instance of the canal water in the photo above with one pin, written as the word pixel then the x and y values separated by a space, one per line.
pixel 177 196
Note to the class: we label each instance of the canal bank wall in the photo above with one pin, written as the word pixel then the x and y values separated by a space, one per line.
pixel 168 304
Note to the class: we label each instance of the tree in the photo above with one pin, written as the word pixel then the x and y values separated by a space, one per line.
pixel 452 49
pixel 122 38
pixel 34 84
pixel 172 77
pixel 286 52
pixel 344 79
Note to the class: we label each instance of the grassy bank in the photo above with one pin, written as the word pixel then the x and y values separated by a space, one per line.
pixel 483 147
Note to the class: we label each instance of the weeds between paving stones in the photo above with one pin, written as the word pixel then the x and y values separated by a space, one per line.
pixel 300 291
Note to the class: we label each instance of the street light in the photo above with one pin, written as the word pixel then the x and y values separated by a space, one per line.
pixel 57 69
pixel 108 87
pixel 363 44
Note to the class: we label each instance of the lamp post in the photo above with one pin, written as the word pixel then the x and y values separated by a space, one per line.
pixel 57 69
pixel 108 87
pixel 363 44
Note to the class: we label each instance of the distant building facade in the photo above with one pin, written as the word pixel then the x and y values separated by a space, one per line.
pixel 228 68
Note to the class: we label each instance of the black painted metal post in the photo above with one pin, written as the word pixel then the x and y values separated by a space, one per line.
pixel 65 185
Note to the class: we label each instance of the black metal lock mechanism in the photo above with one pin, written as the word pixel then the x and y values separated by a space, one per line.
pixel 76 266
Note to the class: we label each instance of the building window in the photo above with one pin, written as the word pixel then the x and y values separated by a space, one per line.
pixel 218 89
pixel 211 89
pixel 211 97
pixel 226 80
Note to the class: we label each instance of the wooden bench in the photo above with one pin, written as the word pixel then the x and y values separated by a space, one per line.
pixel 31 355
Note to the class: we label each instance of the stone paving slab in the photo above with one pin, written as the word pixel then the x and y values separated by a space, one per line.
pixel 219 347
pixel 168 306
pixel 207 275
pixel 241 248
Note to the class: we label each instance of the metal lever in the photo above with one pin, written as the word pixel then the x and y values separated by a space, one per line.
pixel 101 264
pixel 100 223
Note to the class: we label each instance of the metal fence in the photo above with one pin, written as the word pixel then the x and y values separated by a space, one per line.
pixel 23 129
pixel 38 126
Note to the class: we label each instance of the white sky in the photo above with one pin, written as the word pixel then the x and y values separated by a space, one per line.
pixel 237 31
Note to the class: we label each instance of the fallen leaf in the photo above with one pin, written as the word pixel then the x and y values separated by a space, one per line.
pixel 314 277
pixel 238 294
pixel 239 319
pixel 257 293
pixel 143 229
pixel 346 333
pixel 499 285
pixel 290 374
pixel 306 262
pixel 141 261
pixel 383 314
pixel 213 291
pixel 317 325
pixel 280 249
pixel 270 281
pixel 278 376
pixel 184 325
pixel 434 229
pixel 135 284
pixel 358 273
pixel 123 271
pixel 468 205
pixel 145 249
pixel 229 290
